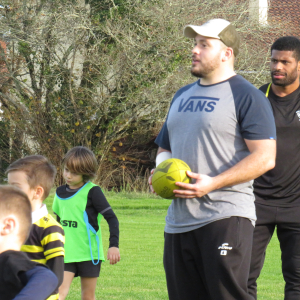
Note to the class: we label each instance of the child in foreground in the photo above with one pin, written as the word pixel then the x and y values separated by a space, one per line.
pixel 35 175
pixel 20 278
pixel 79 206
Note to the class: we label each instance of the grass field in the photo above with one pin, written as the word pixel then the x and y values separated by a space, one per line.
pixel 140 273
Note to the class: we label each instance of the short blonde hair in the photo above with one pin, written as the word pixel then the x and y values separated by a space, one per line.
pixel 81 160
pixel 15 202
pixel 39 172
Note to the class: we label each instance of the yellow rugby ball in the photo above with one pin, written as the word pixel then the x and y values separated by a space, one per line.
pixel 166 174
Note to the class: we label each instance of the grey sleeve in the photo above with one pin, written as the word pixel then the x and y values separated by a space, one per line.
pixel 162 140
pixel 254 112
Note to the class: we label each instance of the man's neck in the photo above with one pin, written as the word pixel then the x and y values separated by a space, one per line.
pixel 217 76
pixel 282 91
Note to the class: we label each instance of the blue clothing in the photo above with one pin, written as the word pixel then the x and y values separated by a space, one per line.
pixel 22 279
pixel 41 282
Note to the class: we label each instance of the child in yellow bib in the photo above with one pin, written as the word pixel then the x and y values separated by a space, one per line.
pixel 80 206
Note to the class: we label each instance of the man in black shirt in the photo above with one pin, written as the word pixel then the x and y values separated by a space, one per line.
pixel 277 192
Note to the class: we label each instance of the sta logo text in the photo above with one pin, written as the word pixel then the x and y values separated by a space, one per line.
pixel 67 223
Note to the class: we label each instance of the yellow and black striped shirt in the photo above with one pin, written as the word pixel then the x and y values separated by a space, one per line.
pixel 46 241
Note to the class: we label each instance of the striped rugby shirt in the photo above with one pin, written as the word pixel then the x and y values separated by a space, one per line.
pixel 46 239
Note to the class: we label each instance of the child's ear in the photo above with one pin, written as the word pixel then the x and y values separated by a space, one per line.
pixel 8 225
pixel 39 192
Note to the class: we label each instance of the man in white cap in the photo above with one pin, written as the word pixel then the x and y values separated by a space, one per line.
pixel 223 128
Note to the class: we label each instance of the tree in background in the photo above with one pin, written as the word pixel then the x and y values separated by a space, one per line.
pixel 102 74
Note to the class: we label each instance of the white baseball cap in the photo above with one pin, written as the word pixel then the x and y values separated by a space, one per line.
pixel 217 29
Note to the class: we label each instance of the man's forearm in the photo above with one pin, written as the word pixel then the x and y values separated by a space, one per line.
pixel 260 160
pixel 247 169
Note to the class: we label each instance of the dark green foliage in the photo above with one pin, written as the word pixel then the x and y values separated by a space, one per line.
pixel 95 73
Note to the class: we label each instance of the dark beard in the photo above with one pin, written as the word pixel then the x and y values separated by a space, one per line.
pixel 289 78
pixel 203 73
pixel 197 74
pixel 207 68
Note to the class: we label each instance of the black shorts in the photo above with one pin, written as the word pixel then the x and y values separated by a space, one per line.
pixel 83 268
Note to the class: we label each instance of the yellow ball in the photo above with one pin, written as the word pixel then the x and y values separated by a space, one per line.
pixel 166 174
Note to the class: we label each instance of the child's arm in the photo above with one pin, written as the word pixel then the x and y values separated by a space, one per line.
pixel 56 265
pixel 40 283
pixel 113 253
pixel 53 244
pixel 113 225
pixel 100 203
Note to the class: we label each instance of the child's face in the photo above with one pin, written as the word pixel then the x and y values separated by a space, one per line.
pixel 74 181
pixel 19 179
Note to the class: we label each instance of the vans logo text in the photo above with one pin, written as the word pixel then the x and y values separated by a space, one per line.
pixel 195 103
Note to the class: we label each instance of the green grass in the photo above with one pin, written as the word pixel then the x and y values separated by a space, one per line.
pixel 140 273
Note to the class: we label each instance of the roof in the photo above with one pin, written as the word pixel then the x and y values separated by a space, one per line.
pixel 285 11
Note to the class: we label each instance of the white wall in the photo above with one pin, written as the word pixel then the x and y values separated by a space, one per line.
pixel 259 10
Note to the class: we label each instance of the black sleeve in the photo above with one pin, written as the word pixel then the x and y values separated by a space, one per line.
pixel 98 199
pixel 56 265
pixel 101 205
pixel 113 224
pixel 40 283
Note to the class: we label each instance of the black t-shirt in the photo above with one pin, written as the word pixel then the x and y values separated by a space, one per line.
pixel 281 185
pixel 12 265
pixel 21 278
